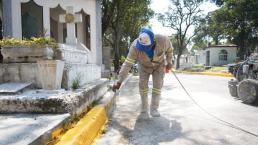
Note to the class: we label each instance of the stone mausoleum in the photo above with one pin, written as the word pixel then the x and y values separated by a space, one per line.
pixel 74 24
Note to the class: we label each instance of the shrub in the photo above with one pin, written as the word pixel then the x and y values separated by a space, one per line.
pixel 32 43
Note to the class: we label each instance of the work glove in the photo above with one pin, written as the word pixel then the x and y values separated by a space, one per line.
pixel 116 86
pixel 168 68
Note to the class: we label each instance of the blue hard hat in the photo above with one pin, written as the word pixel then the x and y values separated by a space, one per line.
pixel 145 39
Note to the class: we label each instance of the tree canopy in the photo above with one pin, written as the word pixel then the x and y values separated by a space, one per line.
pixel 121 22
pixel 236 21
pixel 182 15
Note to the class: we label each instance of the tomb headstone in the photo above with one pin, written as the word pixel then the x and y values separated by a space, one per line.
pixel 70 18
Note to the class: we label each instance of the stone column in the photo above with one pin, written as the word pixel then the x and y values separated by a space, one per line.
pixel 46 21
pixel 7 18
pixel 98 33
pixel 16 19
pixel 71 37
pixel 60 33
pixel 106 57
pixel 12 18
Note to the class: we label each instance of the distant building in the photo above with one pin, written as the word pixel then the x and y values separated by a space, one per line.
pixel 187 61
pixel 216 55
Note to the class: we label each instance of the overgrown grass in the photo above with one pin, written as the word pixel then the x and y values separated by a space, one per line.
pixel 196 68
pixel 202 68
pixel 76 84
pixel 218 68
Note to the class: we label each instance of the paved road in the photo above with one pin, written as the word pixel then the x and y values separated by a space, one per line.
pixel 181 121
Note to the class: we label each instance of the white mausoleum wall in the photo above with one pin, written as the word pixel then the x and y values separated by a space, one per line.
pixel 214 55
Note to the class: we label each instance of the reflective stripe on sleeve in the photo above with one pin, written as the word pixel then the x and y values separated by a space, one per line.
pixel 131 61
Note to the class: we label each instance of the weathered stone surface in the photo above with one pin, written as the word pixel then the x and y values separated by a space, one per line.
pixel 105 73
pixel 86 73
pixel 26 54
pixel 71 54
pixel 20 72
pixel 28 72
pixel 12 87
pixel 28 129
pixel 62 102
pixel 50 74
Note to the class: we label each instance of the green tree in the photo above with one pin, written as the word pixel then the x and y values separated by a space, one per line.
pixel 210 31
pixel 107 7
pixel 200 39
pixel 237 20
pixel 181 16
pixel 199 43
pixel 124 24
pixel 218 2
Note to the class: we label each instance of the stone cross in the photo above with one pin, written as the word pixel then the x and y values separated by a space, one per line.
pixel 70 18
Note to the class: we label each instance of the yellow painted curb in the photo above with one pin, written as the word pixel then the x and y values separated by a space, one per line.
pixel 87 129
pixel 218 74
pixel 209 73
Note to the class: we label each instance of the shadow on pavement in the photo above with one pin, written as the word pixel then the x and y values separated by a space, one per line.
pixel 155 131
pixel 150 132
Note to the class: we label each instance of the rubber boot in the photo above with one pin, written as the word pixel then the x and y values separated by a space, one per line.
pixel 154 113
pixel 144 108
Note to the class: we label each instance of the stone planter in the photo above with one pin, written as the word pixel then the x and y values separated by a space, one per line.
pixel 50 73
pixel 26 54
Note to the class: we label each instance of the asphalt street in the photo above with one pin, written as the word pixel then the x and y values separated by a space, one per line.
pixel 182 122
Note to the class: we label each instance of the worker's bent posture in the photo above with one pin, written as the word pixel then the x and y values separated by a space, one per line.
pixel 153 53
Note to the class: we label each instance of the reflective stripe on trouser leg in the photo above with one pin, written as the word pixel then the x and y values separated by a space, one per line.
pixel 158 77
pixel 143 88
pixel 156 91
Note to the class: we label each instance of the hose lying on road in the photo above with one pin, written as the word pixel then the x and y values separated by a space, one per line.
pixel 223 122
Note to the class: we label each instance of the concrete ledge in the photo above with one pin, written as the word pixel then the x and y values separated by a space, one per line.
pixel 73 102
pixel 207 73
pixel 28 72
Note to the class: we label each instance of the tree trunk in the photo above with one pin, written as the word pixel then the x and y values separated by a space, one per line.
pixel 178 61
pixel 117 53
pixel 241 52
pixel 117 39
pixel 116 61
pixel 216 40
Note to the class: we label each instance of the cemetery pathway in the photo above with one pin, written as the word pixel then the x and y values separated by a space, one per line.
pixel 181 121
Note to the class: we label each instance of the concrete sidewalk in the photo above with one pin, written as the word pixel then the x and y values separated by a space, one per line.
pixel 181 121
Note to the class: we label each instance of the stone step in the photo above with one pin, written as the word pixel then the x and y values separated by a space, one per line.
pixel 40 101
pixel 41 129
pixel 13 88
